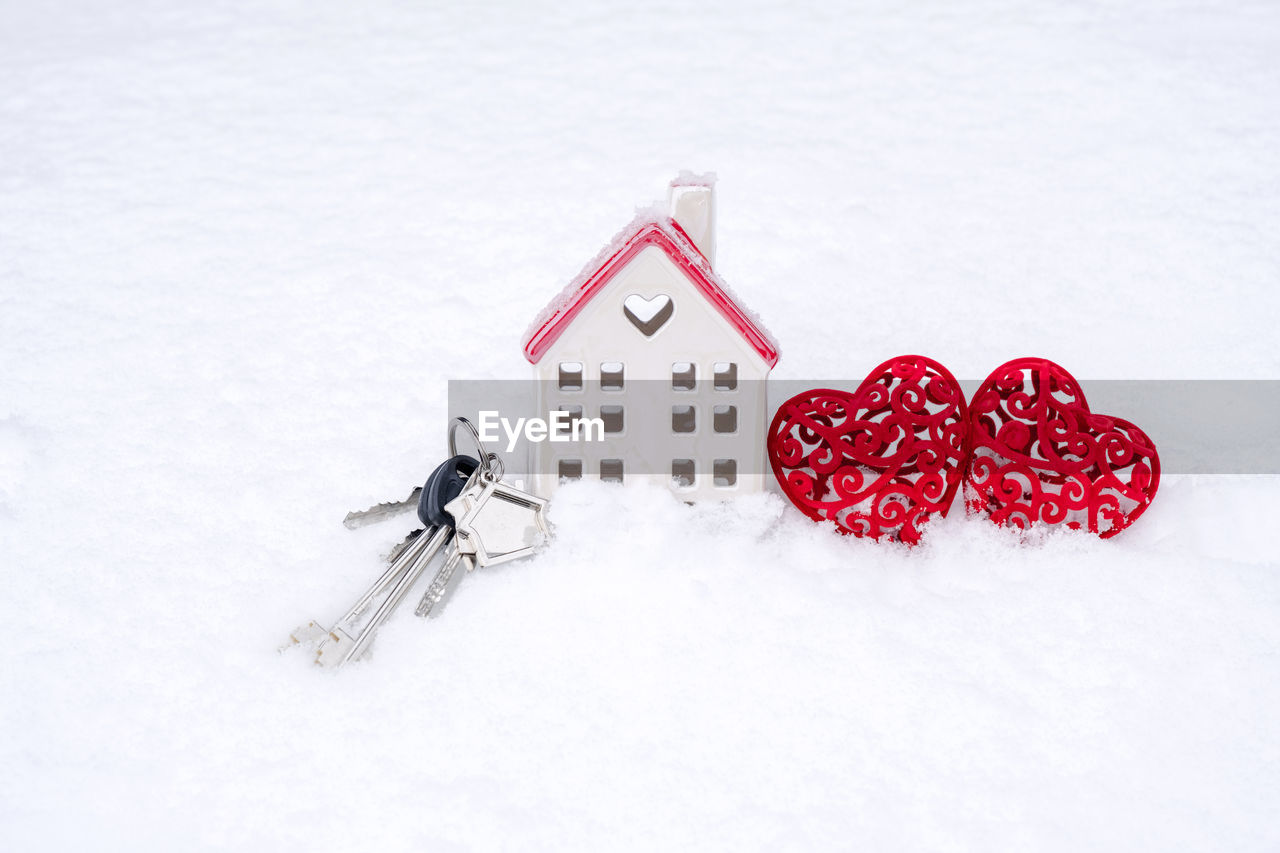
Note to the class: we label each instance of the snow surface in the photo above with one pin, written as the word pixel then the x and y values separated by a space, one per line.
pixel 243 247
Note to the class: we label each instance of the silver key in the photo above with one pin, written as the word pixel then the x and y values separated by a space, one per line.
pixel 446 579
pixel 498 522
pixel 315 634
pixel 382 511
pixel 341 646
pixel 494 522
pixel 345 642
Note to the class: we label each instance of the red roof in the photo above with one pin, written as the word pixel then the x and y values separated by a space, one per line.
pixel 645 231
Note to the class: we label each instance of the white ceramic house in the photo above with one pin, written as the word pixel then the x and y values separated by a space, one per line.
pixel 648 339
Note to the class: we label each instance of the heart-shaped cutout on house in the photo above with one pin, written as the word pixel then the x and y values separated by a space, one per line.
pixel 648 315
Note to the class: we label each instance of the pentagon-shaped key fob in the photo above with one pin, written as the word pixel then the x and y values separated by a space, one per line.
pixel 501 523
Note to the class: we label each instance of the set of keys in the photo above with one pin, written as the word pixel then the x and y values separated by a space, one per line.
pixel 469 513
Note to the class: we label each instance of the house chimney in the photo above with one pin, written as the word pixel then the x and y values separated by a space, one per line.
pixel 691 201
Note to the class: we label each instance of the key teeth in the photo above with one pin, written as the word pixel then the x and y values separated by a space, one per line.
pixel 380 512
pixel 432 601
pixel 426 606
pixel 429 600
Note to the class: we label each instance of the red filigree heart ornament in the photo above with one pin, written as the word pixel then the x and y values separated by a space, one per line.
pixel 879 462
pixel 1040 455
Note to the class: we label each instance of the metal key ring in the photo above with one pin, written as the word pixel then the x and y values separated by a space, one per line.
pixel 490 465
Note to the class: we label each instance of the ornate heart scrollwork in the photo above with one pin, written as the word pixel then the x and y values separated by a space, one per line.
pixel 879 462
pixel 1040 455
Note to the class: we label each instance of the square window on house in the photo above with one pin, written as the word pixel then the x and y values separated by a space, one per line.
pixel 684 418
pixel 725 376
pixel 724 473
pixel 682 473
pixel 611 376
pixel 612 417
pixel 684 376
pixel 570 469
pixel 570 376
pixel 724 419
pixel 611 470
pixel 566 425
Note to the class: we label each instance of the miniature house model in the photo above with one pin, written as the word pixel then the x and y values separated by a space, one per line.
pixel 649 340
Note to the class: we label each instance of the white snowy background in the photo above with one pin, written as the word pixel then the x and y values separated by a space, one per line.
pixel 243 246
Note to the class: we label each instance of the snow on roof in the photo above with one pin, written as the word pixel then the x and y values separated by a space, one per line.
pixel 650 227
pixel 694 179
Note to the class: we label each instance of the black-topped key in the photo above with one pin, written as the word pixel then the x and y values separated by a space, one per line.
pixel 444 484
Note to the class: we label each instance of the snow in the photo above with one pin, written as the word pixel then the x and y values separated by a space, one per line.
pixel 687 178
pixel 243 247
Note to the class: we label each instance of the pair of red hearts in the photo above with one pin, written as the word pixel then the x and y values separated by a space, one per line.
pixel 882 461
